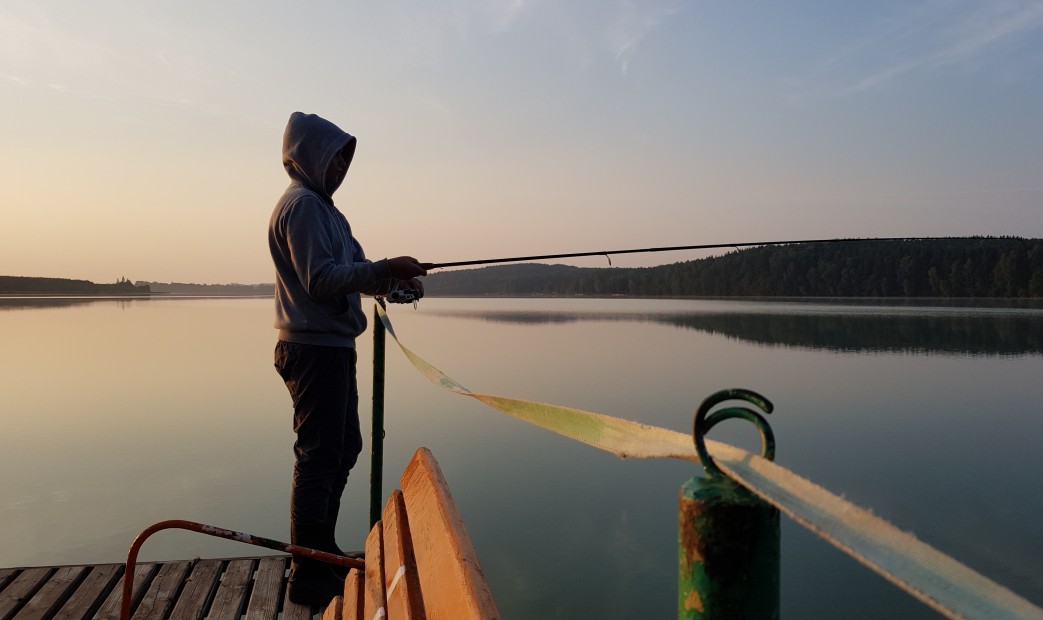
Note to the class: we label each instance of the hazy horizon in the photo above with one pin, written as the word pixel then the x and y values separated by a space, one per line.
pixel 714 253
pixel 144 140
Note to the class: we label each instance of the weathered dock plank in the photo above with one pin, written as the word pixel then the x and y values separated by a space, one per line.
pixel 7 574
pixel 89 596
pixel 238 588
pixel 293 611
pixel 54 592
pixel 160 596
pixel 267 588
pixel 231 594
pixel 110 609
pixel 195 596
pixel 21 589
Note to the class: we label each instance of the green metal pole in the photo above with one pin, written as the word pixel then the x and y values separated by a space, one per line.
pixel 728 541
pixel 728 552
pixel 376 472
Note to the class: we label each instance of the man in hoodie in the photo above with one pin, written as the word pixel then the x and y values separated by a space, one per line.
pixel 320 272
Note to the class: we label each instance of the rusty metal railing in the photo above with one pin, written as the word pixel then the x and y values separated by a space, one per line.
pixel 210 530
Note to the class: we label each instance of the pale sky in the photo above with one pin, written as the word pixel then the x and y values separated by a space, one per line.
pixel 142 139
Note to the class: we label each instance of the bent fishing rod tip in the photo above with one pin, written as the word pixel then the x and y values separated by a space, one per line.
pixel 674 248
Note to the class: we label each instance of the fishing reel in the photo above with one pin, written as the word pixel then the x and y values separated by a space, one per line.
pixel 404 296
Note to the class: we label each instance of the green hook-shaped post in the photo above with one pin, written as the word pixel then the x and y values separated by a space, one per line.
pixel 704 421
pixel 728 539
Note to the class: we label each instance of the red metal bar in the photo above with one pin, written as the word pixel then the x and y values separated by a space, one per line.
pixel 210 530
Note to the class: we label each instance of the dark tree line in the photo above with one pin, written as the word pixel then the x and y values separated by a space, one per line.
pixel 180 288
pixel 959 267
pixel 18 285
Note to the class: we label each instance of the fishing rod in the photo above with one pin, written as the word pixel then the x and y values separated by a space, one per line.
pixel 705 246
pixel 402 296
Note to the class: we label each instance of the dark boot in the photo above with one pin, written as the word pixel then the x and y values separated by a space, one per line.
pixel 312 582
pixel 329 544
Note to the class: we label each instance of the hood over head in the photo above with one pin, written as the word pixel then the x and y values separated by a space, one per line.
pixel 308 146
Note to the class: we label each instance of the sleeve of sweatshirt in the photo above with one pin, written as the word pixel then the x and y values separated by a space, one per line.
pixel 310 246
pixel 382 286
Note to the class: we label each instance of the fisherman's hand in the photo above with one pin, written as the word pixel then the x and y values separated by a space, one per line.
pixel 405 268
pixel 413 284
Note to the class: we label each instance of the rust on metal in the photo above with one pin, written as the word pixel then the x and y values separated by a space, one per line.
pixel 704 421
pixel 210 530
pixel 728 539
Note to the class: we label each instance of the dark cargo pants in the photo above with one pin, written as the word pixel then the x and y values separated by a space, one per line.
pixel 322 384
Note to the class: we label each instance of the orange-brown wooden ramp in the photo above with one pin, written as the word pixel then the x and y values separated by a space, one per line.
pixel 420 562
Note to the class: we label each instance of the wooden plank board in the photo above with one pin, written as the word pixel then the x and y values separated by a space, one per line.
pixel 110 609
pixel 6 575
pixel 180 590
pixel 268 584
pixel 231 594
pixel 452 581
pixel 159 598
pixel 53 594
pixel 21 590
pixel 195 596
pixel 91 592
pixel 354 590
pixel 375 603
pixel 401 583
pixel 293 611
pixel 335 609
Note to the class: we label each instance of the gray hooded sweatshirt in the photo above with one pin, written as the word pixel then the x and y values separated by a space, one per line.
pixel 320 270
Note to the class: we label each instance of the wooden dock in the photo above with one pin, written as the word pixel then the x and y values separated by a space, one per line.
pixel 420 565
pixel 221 589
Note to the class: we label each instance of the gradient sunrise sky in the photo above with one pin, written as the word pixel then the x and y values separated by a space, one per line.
pixel 142 139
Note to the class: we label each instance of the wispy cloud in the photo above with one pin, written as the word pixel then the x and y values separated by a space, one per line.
pixel 51 53
pixel 505 14
pixel 925 39
pixel 431 34
pixel 16 80
pixel 632 23
pixel 428 33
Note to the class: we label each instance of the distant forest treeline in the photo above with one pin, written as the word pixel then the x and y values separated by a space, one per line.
pixel 1008 267
pixel 17 285
pixel 177 288
pixel 958 267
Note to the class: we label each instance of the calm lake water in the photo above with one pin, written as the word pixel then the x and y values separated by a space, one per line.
pixel 119 413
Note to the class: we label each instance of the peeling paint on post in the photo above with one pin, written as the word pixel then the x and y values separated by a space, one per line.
pixel 728 552
pixel 728 538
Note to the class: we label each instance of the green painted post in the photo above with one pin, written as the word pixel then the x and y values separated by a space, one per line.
pixel 728 541
pixel 376 472
pixel 728 552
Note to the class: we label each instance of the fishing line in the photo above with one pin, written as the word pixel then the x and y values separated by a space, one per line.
pixel 704 246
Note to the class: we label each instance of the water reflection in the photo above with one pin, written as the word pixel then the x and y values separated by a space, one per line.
pixel 957 330
pixel 38 303
pixel 120 413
